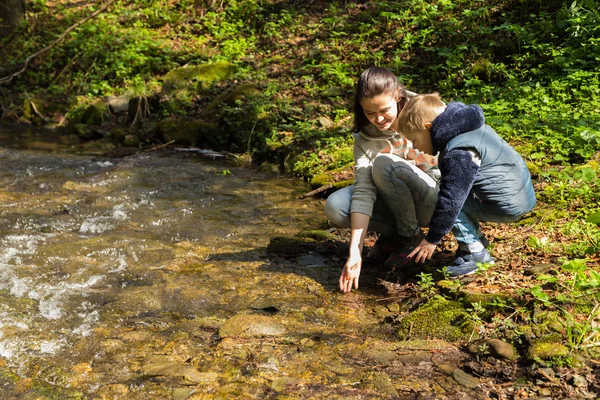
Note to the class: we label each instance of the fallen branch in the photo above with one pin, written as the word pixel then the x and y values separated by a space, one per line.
pixel 39 114
pixel 10 77
pixel 159 147
pixel 316 191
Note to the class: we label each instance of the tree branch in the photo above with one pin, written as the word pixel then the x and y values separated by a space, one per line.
pixel 10 77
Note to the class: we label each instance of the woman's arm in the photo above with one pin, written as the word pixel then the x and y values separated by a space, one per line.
pixel 351 272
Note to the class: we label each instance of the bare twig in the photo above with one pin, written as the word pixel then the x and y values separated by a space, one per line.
pixel 10 77
pixel 39 114
pixel 316 191
pixel 159 147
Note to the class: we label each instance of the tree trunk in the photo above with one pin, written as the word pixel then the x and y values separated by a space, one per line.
pixel 12 13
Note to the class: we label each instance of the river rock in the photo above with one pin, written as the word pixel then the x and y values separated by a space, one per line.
pixel 381 382
pixel 467 380
pixel 185 371
pixel 251 326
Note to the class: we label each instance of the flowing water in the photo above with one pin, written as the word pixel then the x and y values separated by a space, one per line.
pixel 116 275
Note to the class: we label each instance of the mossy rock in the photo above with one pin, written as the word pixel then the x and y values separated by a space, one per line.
pixel 240 92
pixel 190 133
pixel 186 77
pixel 318 235
pixel 547 351
pixel 84 132
pixel 94 114
pixel 438 318
pixel 29 113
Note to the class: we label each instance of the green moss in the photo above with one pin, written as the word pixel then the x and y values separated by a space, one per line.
pixel 186 77
pixel 549 352
pixel 94 114
pixel 317 235
pixel 438 318
pixel 238 93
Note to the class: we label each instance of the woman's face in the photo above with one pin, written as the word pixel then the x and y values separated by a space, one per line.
pixel 381 111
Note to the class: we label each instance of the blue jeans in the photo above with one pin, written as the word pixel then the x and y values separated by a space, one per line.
pixel 466 229
pixel 406 198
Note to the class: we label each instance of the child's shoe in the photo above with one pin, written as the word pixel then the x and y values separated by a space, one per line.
pixel 383 247
pixel 466 264
pixel 403 248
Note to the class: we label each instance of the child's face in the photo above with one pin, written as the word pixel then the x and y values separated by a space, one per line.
pixel 381 110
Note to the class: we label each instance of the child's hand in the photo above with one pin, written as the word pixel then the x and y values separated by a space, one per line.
pixel 423 251
pixel 350 273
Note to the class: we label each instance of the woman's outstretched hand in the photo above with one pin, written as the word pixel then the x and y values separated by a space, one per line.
pixel 350 273
pixel 423 251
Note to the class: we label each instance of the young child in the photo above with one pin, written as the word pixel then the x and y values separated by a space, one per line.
pixel 395 185
pixel 483 178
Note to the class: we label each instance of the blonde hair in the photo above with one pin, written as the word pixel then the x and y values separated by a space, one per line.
pixel 418 111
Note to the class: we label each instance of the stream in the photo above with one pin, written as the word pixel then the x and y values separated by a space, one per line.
pixel 118 275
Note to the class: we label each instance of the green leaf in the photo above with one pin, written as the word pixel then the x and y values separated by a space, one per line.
pixel 575 265
pixel 594 218
pixel 539 294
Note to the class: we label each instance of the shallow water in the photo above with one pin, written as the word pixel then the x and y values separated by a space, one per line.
pixel 116 275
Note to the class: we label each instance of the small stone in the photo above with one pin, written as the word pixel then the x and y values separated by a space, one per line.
pixel 23 386
pixel 308 342
pixel 183 393
pixel 394 307
pixel 579 381
pixel 465 379
pixel 539 269
pixel 447 368
pixel 545 392
pixel 325 122
pixel 501 349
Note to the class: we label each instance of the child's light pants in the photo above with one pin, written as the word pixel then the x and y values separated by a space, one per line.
pixel 406 198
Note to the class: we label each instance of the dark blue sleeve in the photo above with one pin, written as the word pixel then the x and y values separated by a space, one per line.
pixel 458 175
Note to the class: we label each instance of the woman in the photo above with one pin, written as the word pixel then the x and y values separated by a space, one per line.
pixel 395 186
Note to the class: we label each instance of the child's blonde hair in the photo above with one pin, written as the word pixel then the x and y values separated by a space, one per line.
pixel 418 111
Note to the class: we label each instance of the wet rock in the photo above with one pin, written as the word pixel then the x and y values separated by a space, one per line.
pixel 251 326
pixel 467 380
pixel 380 382
pixel 285 384
pixel 495 347
pixel 394 307
pixel 183 393
pixel 185 371
pixel 539 269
